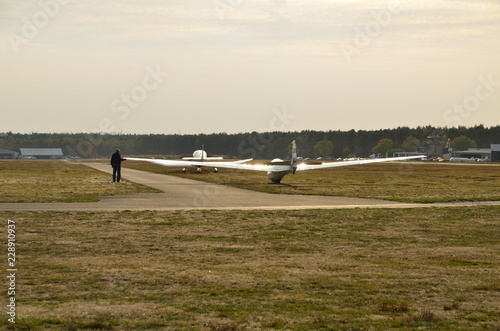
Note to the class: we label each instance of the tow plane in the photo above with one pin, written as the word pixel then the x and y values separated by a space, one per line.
pixel 276 170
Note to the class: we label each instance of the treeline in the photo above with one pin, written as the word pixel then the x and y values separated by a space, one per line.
pixel 242 145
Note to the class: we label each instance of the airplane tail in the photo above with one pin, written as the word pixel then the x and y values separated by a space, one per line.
pixel 294 157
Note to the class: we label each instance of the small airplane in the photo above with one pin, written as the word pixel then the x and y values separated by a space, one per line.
pixel 278 168
pixel 199 159
pixel 201 155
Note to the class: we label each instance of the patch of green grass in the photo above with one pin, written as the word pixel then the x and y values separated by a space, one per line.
pixel 301 270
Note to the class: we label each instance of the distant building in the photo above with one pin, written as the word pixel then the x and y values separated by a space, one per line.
pixel 482 154
pixel 42 153
pixel 474 153
pixel 4 154
pixel 495 152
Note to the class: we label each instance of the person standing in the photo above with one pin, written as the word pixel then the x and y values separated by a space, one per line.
pixel 116 163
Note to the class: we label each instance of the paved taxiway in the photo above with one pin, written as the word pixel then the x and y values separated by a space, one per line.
pixel 181 193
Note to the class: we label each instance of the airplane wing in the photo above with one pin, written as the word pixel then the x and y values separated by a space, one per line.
pixel 301 167
pixel 165 163
pixel 275 172
pixel 187 163
pixel 238 165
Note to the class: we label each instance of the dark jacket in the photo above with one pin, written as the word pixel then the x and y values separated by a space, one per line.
pixel 116 159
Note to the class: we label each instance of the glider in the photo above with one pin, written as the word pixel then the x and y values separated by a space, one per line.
pixel 278 168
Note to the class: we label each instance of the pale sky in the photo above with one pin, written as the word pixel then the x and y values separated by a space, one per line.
pixel 196 66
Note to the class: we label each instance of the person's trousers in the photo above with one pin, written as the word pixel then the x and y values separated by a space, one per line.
pixel 117 169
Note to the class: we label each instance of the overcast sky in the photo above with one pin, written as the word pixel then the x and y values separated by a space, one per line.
pixel 206 66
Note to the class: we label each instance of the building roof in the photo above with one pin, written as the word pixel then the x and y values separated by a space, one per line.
pixel 41 152
pixel 4 151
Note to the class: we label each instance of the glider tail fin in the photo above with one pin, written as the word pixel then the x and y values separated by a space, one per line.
pixel 294 157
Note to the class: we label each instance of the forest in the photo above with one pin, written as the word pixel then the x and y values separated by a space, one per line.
pixel 263 145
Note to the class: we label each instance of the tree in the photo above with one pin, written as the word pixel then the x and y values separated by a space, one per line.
pixel 383 146
pixel 266 145
pixel 323 148
pixel 410 144
pixel 463 143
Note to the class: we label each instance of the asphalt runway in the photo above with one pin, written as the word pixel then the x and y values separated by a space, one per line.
pixel 186 194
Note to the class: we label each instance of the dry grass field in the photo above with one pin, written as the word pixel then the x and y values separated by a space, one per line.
pixel 58 181
pixel 364 269
pixel 361 269
pixel 424 182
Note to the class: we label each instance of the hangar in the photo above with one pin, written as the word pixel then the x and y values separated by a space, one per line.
pixel 475 153
pixel 42 153
pixel 4 154
pixel 495 152
pixel 483 154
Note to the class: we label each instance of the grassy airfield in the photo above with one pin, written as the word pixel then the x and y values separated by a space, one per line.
pixel 421 182
pixel 58 181
pixel 372 269
pixel 360 269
